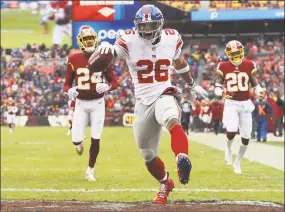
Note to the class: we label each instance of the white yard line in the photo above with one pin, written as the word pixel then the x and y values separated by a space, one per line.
pixel 23 142
pixel 136 190
pixel 47 169
pixel 51 169
pixel 17 31
pixel 265 154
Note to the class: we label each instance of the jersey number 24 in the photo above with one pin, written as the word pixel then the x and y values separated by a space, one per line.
pixel 85 79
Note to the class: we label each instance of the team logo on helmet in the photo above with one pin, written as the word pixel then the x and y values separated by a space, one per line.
pixel 87 39
pixel 235 52
pixel 148 22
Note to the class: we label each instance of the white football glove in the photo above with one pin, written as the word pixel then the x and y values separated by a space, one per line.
pixel 72 93
pixel 198 90
pixel 102 88
pixel 104 48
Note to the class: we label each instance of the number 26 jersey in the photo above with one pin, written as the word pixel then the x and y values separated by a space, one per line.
pixel 149 65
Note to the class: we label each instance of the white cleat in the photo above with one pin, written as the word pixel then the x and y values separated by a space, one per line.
pixel 228 157
pixel 90 176
pixel 237 168
pixel 68 133
pixel 79 149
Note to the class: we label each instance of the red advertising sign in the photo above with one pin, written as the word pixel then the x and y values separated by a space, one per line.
pixel 92 11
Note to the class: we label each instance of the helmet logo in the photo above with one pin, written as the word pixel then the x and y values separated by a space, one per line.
pixel 146 17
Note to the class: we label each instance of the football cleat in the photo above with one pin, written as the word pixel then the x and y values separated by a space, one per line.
pixel 79 149
pixel 90 176
pixel 165 188
pixel 68 132
pixel 184 167
pixel 237 168
pixel 228 156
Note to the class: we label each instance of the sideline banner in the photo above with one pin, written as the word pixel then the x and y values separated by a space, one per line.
pixel 104 10
pixel 106 30
pixel 128 119
pixel 237 15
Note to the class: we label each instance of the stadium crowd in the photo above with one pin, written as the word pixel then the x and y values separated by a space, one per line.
pixel 214 5
pixel 34 75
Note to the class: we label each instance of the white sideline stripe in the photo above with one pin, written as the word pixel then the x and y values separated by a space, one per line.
pixel 23 169
pixel 23 142
pixel 16 31
pixel 51 169
pixel 136 190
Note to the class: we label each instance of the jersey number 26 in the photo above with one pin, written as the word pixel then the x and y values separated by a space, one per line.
pixel 160 73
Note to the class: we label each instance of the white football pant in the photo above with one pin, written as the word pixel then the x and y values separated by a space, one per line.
pixel 85 111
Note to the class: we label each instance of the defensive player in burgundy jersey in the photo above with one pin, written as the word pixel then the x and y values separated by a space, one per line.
pixel 89 92
pixel 71 105
pixel 236 76
pixel 11 116
pixel 150 51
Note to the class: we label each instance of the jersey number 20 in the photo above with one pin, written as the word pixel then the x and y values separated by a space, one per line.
pixel 83 83
pixel 160 74
pixel 237 82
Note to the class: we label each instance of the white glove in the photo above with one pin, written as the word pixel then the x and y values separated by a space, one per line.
pixel 72 93
pixel 104 48
pixel 198 90
pixel 102 88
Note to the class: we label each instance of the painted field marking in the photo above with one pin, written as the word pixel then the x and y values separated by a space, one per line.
pixel 135 190
pixel 23 142
pixel 53 169
pixel 132 204
pixel 17 31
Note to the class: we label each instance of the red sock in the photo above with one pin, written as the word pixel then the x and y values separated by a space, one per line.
pixel 179 140
pixel 156 168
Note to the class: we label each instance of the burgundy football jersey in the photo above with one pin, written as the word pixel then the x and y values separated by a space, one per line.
pixel 77 70
pixel 237 78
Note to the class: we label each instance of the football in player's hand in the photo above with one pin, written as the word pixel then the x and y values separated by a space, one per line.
pixel 99 62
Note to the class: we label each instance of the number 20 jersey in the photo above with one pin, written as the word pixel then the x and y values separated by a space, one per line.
pixel 237 78
pixel 149 64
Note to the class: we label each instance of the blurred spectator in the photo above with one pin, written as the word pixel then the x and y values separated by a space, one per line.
pixel 217 108
pixel 262 109
pixel 214 5
pixel 117 106
pixel 34 74
pixel 186 113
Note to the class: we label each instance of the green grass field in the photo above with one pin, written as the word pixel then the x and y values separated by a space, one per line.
pixel 21 26
pixel 43 161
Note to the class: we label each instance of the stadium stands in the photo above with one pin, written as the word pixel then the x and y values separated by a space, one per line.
pixel 214 5
pixel 35 80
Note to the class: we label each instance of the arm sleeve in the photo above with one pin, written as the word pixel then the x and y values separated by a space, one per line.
pixel 121 47
pixel 179 45
pixel 69 77
pixel 254 69
pixel 219 70
pixel 111 78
